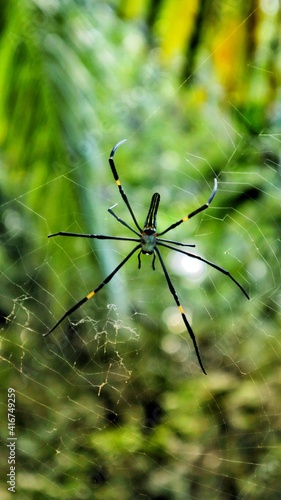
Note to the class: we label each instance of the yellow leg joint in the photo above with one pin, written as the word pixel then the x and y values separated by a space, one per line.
pixel 90 295
pixel 181 309
pixel 185 218
pixel 118 182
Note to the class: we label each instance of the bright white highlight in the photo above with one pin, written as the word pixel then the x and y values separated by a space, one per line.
pixel 173 320
pixel 183 265
pixel 269 6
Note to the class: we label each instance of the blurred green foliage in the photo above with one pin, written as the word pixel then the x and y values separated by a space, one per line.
pixel 114 405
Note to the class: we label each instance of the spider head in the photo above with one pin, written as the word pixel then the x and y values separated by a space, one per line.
pixel 148 240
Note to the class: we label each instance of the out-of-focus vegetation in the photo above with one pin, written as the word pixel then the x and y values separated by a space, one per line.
pixel 113 404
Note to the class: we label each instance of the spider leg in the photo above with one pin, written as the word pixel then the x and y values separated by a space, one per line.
pixel 185 320
pixel 96 236
pixel 215 266
pixel 121 220
pixel 195 212
pixel 174 242
pixel 94 292
pixel 139 259
pixel 116 178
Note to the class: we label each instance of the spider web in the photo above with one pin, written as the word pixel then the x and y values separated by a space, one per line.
pixel 88 423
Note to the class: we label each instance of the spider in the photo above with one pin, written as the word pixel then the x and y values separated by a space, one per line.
pixel 148 241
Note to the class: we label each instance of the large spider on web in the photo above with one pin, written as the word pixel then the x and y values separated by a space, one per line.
pixel 148 241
